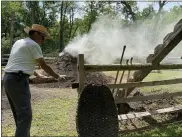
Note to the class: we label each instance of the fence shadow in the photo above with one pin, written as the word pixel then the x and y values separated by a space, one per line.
pixel 152 124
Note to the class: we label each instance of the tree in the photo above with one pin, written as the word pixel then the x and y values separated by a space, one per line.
pixel 11 19
pixel 128 8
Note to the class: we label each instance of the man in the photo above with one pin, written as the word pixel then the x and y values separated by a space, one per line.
pixel 24 56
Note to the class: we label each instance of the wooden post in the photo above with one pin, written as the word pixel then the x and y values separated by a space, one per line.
pixel 80 73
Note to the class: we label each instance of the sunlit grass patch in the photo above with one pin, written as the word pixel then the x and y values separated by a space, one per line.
pixel 51 117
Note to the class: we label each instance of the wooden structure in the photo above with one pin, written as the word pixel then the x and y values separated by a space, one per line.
pixel 153 63
pixel 82 68
pixel 5 57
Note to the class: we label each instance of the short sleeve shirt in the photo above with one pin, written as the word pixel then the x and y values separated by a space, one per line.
pixel 23 56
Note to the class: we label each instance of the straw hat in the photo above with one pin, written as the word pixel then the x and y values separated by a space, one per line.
pixel 39 28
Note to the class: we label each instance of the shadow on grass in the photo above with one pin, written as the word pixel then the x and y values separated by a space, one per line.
pixel 168 128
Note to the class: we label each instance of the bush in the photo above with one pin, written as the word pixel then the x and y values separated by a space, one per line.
pixel 5 46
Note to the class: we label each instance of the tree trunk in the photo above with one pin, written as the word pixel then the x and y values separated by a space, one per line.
pixel 64 6
pixel 71 23
pixel 91 16
pixel 12 29
pixel 61 31
pixel 33 12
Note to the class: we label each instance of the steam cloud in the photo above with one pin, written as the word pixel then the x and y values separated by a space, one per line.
pixel 104 43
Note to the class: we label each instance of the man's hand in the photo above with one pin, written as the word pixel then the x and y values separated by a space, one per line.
pixel 46 67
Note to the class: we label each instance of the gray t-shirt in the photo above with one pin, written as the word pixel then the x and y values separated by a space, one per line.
pixel 23 56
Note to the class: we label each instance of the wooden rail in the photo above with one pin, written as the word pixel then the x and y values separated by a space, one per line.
pixel 146 84
pixel 138 84
pixel 149 113
pixel 165 95
pixel 5 57
pixel 82 68
pixel 115 67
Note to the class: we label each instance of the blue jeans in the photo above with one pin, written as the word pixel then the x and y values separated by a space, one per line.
pixel 18 93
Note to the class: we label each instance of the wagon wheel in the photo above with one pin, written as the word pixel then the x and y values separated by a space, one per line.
pixel 97 113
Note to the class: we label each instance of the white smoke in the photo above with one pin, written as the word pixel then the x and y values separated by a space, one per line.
pixel 104 43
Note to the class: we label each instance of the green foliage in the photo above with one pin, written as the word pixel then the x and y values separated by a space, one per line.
pixel 174 15
pixel 146 13
pixel 63 21
pixel 7 10
pixel 5 46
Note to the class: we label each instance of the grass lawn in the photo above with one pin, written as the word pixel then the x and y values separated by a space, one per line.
pixel 54 113
pixel 164 75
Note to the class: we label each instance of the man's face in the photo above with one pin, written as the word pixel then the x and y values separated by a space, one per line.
pixel 39 37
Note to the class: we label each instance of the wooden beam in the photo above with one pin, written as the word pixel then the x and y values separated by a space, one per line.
pixel 5 55
pixel 4 59
pixel 165 95
pixel 81 73
pixel 138 84
pixel 115 67
pixel 169 43
pixel 149 113
pixel 145 84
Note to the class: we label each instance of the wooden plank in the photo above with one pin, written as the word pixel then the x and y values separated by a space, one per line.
pixel 168 44
pixel 130 116
pixel 4 58
pixel 5 55
pixel 80 72
pixel 115 67
pixel 149 113
pixel 122 117
pixel 145 84
pixel 142 114
pixel 166 110
pixel 149 97
pixel 139 84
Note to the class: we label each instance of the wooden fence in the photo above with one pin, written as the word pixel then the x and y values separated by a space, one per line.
pixel 5 57
pixel 82 68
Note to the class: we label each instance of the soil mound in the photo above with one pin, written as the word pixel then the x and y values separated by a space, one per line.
pixel 66 64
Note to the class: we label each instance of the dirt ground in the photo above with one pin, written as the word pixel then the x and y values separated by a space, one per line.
pixel 50 90
pixel 39 94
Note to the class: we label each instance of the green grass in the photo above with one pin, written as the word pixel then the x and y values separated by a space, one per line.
pixel 53 118
pixel 164 75
pixel 56 116
pixel 173 130
pixel 50 118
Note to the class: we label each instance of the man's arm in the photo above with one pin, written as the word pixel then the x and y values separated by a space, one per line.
pixel 46 68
